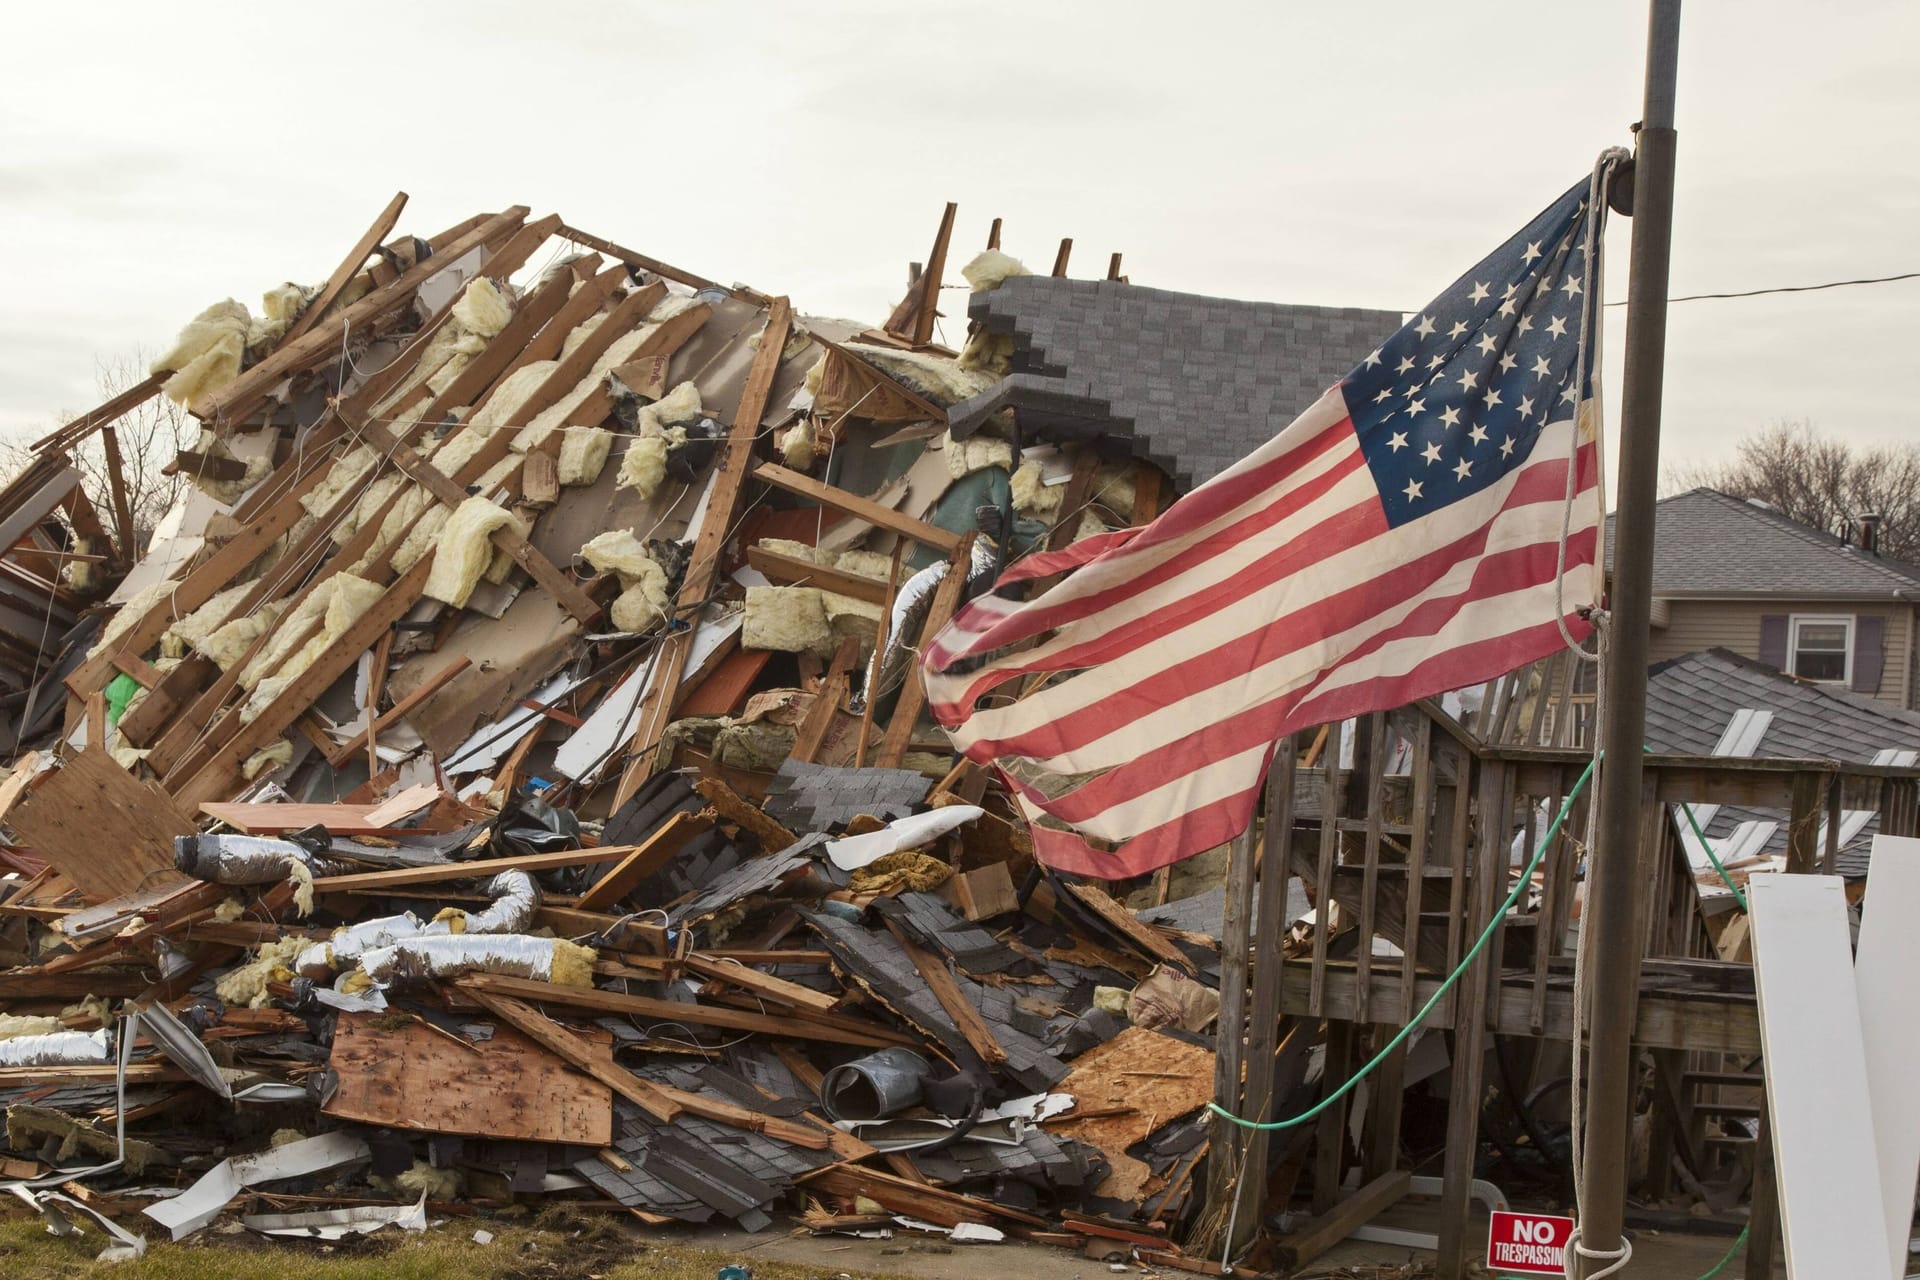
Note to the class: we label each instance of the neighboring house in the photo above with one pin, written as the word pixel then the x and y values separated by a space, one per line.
pixel 1720 703
pixel 1191 383
pixel 1734 574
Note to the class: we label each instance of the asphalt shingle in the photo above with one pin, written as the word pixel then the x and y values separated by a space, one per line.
pixel 1192 383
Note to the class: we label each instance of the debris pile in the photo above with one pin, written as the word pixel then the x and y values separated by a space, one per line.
pixel 504 777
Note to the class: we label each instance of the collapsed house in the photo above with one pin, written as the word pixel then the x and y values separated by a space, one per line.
pixel 505 777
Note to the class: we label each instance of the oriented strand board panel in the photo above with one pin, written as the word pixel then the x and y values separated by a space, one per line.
pixel 101 827
pixel 1158 1078
pixel 413 1076
pixel 1824 1153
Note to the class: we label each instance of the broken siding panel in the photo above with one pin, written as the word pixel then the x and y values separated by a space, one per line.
pixel 1694 625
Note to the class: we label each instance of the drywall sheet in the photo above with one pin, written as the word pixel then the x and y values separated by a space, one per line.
pixel 1825 1157
pixel 1885 963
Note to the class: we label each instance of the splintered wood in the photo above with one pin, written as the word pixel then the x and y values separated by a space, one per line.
pixel 398 1070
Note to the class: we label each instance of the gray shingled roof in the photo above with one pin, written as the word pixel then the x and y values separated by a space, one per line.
pixel 1691 699
pixel 1707 543
pixel 1195 383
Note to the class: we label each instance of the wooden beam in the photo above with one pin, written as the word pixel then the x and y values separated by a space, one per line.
pixel 1060 258
pixel 239 396
pixel 431 685
pixel 349 267
pixel 214 778
pixel 825 1027
pixel 864 509
pixel 398 879
pixel 826 702
pixel 201 584
pixel 72 433
pixel 656 705
pixel 966 1019
pixel 913 694
pixel 793 571
pixel 647 858
pixel 935 272
pixel 1329 1229
pixel 738 974
pixel 508 538
pixel 641 260
pixel 880 641
pixel 124 533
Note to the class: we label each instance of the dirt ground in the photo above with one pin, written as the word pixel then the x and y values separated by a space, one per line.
pixel 598 1248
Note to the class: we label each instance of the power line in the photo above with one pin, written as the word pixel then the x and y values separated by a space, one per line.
pixel 1788 288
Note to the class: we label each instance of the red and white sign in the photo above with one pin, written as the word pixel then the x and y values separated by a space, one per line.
pixel 1528 1244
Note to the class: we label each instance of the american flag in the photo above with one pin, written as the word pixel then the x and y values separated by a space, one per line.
pixel 1398 539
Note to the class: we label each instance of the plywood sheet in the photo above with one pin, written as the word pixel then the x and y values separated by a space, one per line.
pixel 101 827
pixel 413 1076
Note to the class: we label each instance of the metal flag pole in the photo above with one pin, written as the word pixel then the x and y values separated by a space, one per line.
pixel 1612 911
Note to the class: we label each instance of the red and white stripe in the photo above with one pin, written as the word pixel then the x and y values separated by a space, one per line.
pixel 1271 598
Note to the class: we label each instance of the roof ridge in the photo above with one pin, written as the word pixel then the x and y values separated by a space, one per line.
pixel 1775 518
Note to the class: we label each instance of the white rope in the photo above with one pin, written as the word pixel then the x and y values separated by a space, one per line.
pixel 1590 336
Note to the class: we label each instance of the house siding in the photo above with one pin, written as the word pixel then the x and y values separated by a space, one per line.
pixel 1693 625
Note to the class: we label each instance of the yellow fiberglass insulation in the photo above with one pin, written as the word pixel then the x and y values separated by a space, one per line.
pixel 231 640
pixel 678 407
pixel 334 605
pixel 374 498
pixel 848 616
pixel 987 352
pixel 503 406
pixel 482 308
pixel 348 470
pixel 964 457
pixel 1114 489
pixel 424 536
pixel 499 567
pixel 555 415
pixel 865 564
pixel 938 378
pixel 796 550
pixel 990 268
pixel 194 629
pixel 496 475
pixel 644 467
pixel 13 1025
pixel 787 619
pixel 128 757
pixel 583 454
pixel 1032 495
pixel 207 354
pixel 281 306
pixel 617 551
pixel 577 336
pixel 129 613
pixel 460 448
pixel 797 448
pixel 273 757
pixel 466 551
pixel 1091 526
pixel 247 985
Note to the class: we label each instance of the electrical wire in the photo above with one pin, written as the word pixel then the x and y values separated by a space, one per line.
pixel 1787 288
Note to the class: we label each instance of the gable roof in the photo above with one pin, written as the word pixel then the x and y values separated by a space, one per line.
pixel 1692 699
pixel 1189 382
pixel 1708 543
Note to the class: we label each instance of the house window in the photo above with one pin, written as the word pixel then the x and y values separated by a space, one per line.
pixel 1821 648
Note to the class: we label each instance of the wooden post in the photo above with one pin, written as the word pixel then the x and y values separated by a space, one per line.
pixel 1330 1131
pixel 930 282
pixel 124 532
pixel 1263 1013
pixel 1228 1141
pixel 1470 1030
pixel 1060 258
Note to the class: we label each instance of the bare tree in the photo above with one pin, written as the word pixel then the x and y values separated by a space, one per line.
pixel 1821 481
pixel 149 436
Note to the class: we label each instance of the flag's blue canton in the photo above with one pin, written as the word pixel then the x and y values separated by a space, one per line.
pixel 1456 399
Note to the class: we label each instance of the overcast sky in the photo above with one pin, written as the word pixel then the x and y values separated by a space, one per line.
pixel 156 158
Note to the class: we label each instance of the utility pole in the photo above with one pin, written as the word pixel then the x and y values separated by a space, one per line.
pixel 1612 910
